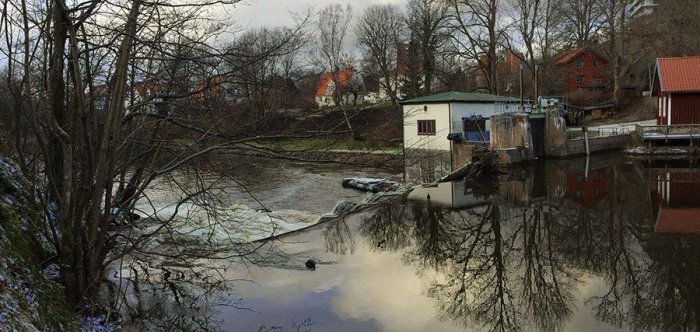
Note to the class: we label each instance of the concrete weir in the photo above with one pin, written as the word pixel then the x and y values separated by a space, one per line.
pixel 516 138
pixel 513 137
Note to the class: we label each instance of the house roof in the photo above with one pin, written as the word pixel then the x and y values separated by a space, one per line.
pixel 679 74
pixel 568 57
pixel 209 87
pixel 678 221
pixel 462 97
pixel 344 77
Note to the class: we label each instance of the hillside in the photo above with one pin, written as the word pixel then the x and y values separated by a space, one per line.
pixel 30 297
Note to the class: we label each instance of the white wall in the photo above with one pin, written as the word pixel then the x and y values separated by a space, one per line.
pixel 451 194
pixel 443 125
pixel 439 113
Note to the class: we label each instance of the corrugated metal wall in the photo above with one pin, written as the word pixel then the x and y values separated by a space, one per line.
pixel 685 108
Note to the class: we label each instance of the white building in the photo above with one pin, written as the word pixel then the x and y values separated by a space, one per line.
pixel 641 8
pixel 428 120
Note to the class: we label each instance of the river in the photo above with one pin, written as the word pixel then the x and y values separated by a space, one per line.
pixel 607 243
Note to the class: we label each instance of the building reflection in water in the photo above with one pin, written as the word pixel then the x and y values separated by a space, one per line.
pixel 675 196
pixel 516 256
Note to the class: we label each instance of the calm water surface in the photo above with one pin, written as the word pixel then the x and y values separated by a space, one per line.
pixel 601 244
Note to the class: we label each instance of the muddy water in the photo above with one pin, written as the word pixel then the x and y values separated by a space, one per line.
pixel 602 244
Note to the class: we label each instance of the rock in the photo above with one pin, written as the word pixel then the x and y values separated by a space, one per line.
pixel 311 265
pixel 343 207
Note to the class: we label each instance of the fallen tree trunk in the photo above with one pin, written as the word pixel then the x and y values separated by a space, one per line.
pixel 484 162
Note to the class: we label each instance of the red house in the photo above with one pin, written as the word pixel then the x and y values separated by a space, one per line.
pixel 583 69
pixel 677 86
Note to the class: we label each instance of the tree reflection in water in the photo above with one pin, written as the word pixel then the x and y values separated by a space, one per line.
pixel 339 239
pixel 506 267
pixel 387 230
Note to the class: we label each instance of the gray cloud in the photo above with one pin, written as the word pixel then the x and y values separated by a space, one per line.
pixel 258 13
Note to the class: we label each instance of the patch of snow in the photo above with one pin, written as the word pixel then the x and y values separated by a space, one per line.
pixel 9 199
pixel 52 272
pixel 99 324
pixel 52 209
pixel 642 150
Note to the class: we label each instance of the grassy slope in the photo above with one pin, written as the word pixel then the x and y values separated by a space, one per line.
pixel 380 129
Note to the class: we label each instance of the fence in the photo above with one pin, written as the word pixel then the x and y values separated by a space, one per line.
pixel 669 131
pixel 600 132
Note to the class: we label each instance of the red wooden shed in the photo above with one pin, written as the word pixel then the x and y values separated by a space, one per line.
pixel 677 86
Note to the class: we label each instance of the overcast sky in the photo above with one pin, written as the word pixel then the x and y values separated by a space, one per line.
pixel 257 13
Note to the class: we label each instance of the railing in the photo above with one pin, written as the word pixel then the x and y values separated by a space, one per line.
pixel 599 132
pixel 689 130
pixel 610 131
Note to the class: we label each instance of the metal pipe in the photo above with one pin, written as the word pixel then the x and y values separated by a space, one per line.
pixel 585 139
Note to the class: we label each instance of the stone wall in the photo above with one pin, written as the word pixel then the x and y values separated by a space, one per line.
pixel 511 137
pixel 555 134
pixel 462 155
pixel 557 144
pixel 509 131
pixel 426 166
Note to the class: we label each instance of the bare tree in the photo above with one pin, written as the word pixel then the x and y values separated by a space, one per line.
pixel 477 34
pixel 534 22
pixel 615 18
pixel 549 40
pixel 263 62
pixel 581 20
pixel 333 24
pixel 91 147
pixel 427 22
pixel 380 33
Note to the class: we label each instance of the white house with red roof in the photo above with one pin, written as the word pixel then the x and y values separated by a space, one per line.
pixel 350 88
pixel 677 87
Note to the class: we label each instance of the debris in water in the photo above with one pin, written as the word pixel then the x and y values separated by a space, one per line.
pixel 343 207
pixel 484 161
pixel 374 185
pixel 311 265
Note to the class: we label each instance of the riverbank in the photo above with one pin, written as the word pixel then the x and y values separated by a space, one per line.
pixel 31 297
pixel 324 136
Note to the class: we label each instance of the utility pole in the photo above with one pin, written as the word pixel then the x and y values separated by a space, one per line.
pixel 522 93
pixel 537 86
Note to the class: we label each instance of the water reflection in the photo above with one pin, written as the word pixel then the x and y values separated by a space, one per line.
pixel 606 243
pixel 517 256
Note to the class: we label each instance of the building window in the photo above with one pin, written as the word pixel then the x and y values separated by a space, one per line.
pixel 426 127
pixel 579 63
pixel 597 81
pixel 595 64
pixel 579 80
